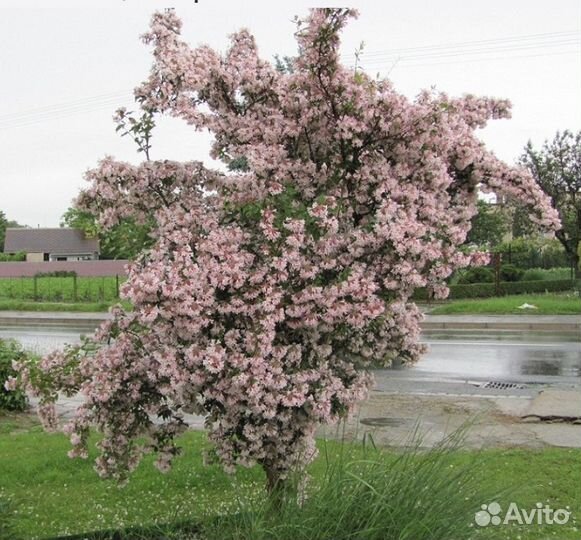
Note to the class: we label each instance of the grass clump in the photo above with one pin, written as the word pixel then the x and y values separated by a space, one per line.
pixel 374 495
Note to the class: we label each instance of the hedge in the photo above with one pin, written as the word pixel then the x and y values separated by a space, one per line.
pixel 56 273
pixel 486 290
pixel 16 257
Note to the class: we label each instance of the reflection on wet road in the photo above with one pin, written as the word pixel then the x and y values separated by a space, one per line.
pixel 42 340
pixel 475 356
pixel 454 355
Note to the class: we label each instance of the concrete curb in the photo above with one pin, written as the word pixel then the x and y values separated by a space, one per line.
pixel 558 324
pixel 507 326
pixel 34 319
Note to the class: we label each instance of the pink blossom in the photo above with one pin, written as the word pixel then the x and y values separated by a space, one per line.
pixel 269 292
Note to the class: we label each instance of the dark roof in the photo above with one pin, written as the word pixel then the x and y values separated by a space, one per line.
pixel 62 241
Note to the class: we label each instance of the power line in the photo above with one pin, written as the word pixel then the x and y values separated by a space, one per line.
pixel 459 52
pixel 36 116
pixel 540 38
pixel 469 61
pixel 476 51
pixel 67 104
pixel 55 110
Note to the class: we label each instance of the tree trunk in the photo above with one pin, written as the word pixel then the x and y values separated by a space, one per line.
pixel 572 250
pixel 277 488
pixel 272 478
pixel 575 262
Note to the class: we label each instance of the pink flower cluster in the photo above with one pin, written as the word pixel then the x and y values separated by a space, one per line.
pixel 271 290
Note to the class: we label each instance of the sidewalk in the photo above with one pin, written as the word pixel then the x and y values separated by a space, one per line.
pixel 52 319
pixel 499 422
pixel 538 323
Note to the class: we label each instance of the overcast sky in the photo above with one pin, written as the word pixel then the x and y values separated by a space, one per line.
pixel 65 66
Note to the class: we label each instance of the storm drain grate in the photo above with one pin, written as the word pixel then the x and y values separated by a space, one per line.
pixel 500 385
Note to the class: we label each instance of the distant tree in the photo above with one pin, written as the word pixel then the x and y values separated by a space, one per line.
pixel 556 168
pixel 488 226
pixel 126 240
pixel 5 224
pixel 521 226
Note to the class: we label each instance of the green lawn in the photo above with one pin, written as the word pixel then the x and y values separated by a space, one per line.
pixel 547 304
pixel 51 494
pixel 61 289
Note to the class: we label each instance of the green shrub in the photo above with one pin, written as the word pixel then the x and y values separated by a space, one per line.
pixel 487 290
pixel 478 274
pixel 473 290
pixel 534 253
pixel 484 290
pixel 13 400
pixel 521 287
pixel 536 274
pixel 509 272
pixel 16 257
pixel 56 273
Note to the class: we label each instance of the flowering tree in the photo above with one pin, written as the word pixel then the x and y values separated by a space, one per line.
pixel 269 290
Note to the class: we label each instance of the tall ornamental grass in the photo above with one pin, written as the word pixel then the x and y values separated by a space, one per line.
pixel 414 495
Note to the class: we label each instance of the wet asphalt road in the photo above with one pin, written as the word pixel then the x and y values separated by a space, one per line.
pixel 456 362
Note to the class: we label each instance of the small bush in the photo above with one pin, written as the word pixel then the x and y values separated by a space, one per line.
pixel 521 287
pixel 478 274
pixel 534 253
pixel 488 290
pixel 484 290
pixel 537 274
pixel 13 400
pixel 16 257
pixel 56 273
pixel 472 290
pixel 534 274
pixel 509 272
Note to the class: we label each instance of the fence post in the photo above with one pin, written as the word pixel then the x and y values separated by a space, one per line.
pixel 75 290
pixel 497 273
pixel 117 286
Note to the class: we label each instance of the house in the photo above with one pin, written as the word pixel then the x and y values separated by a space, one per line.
pixel 51 244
